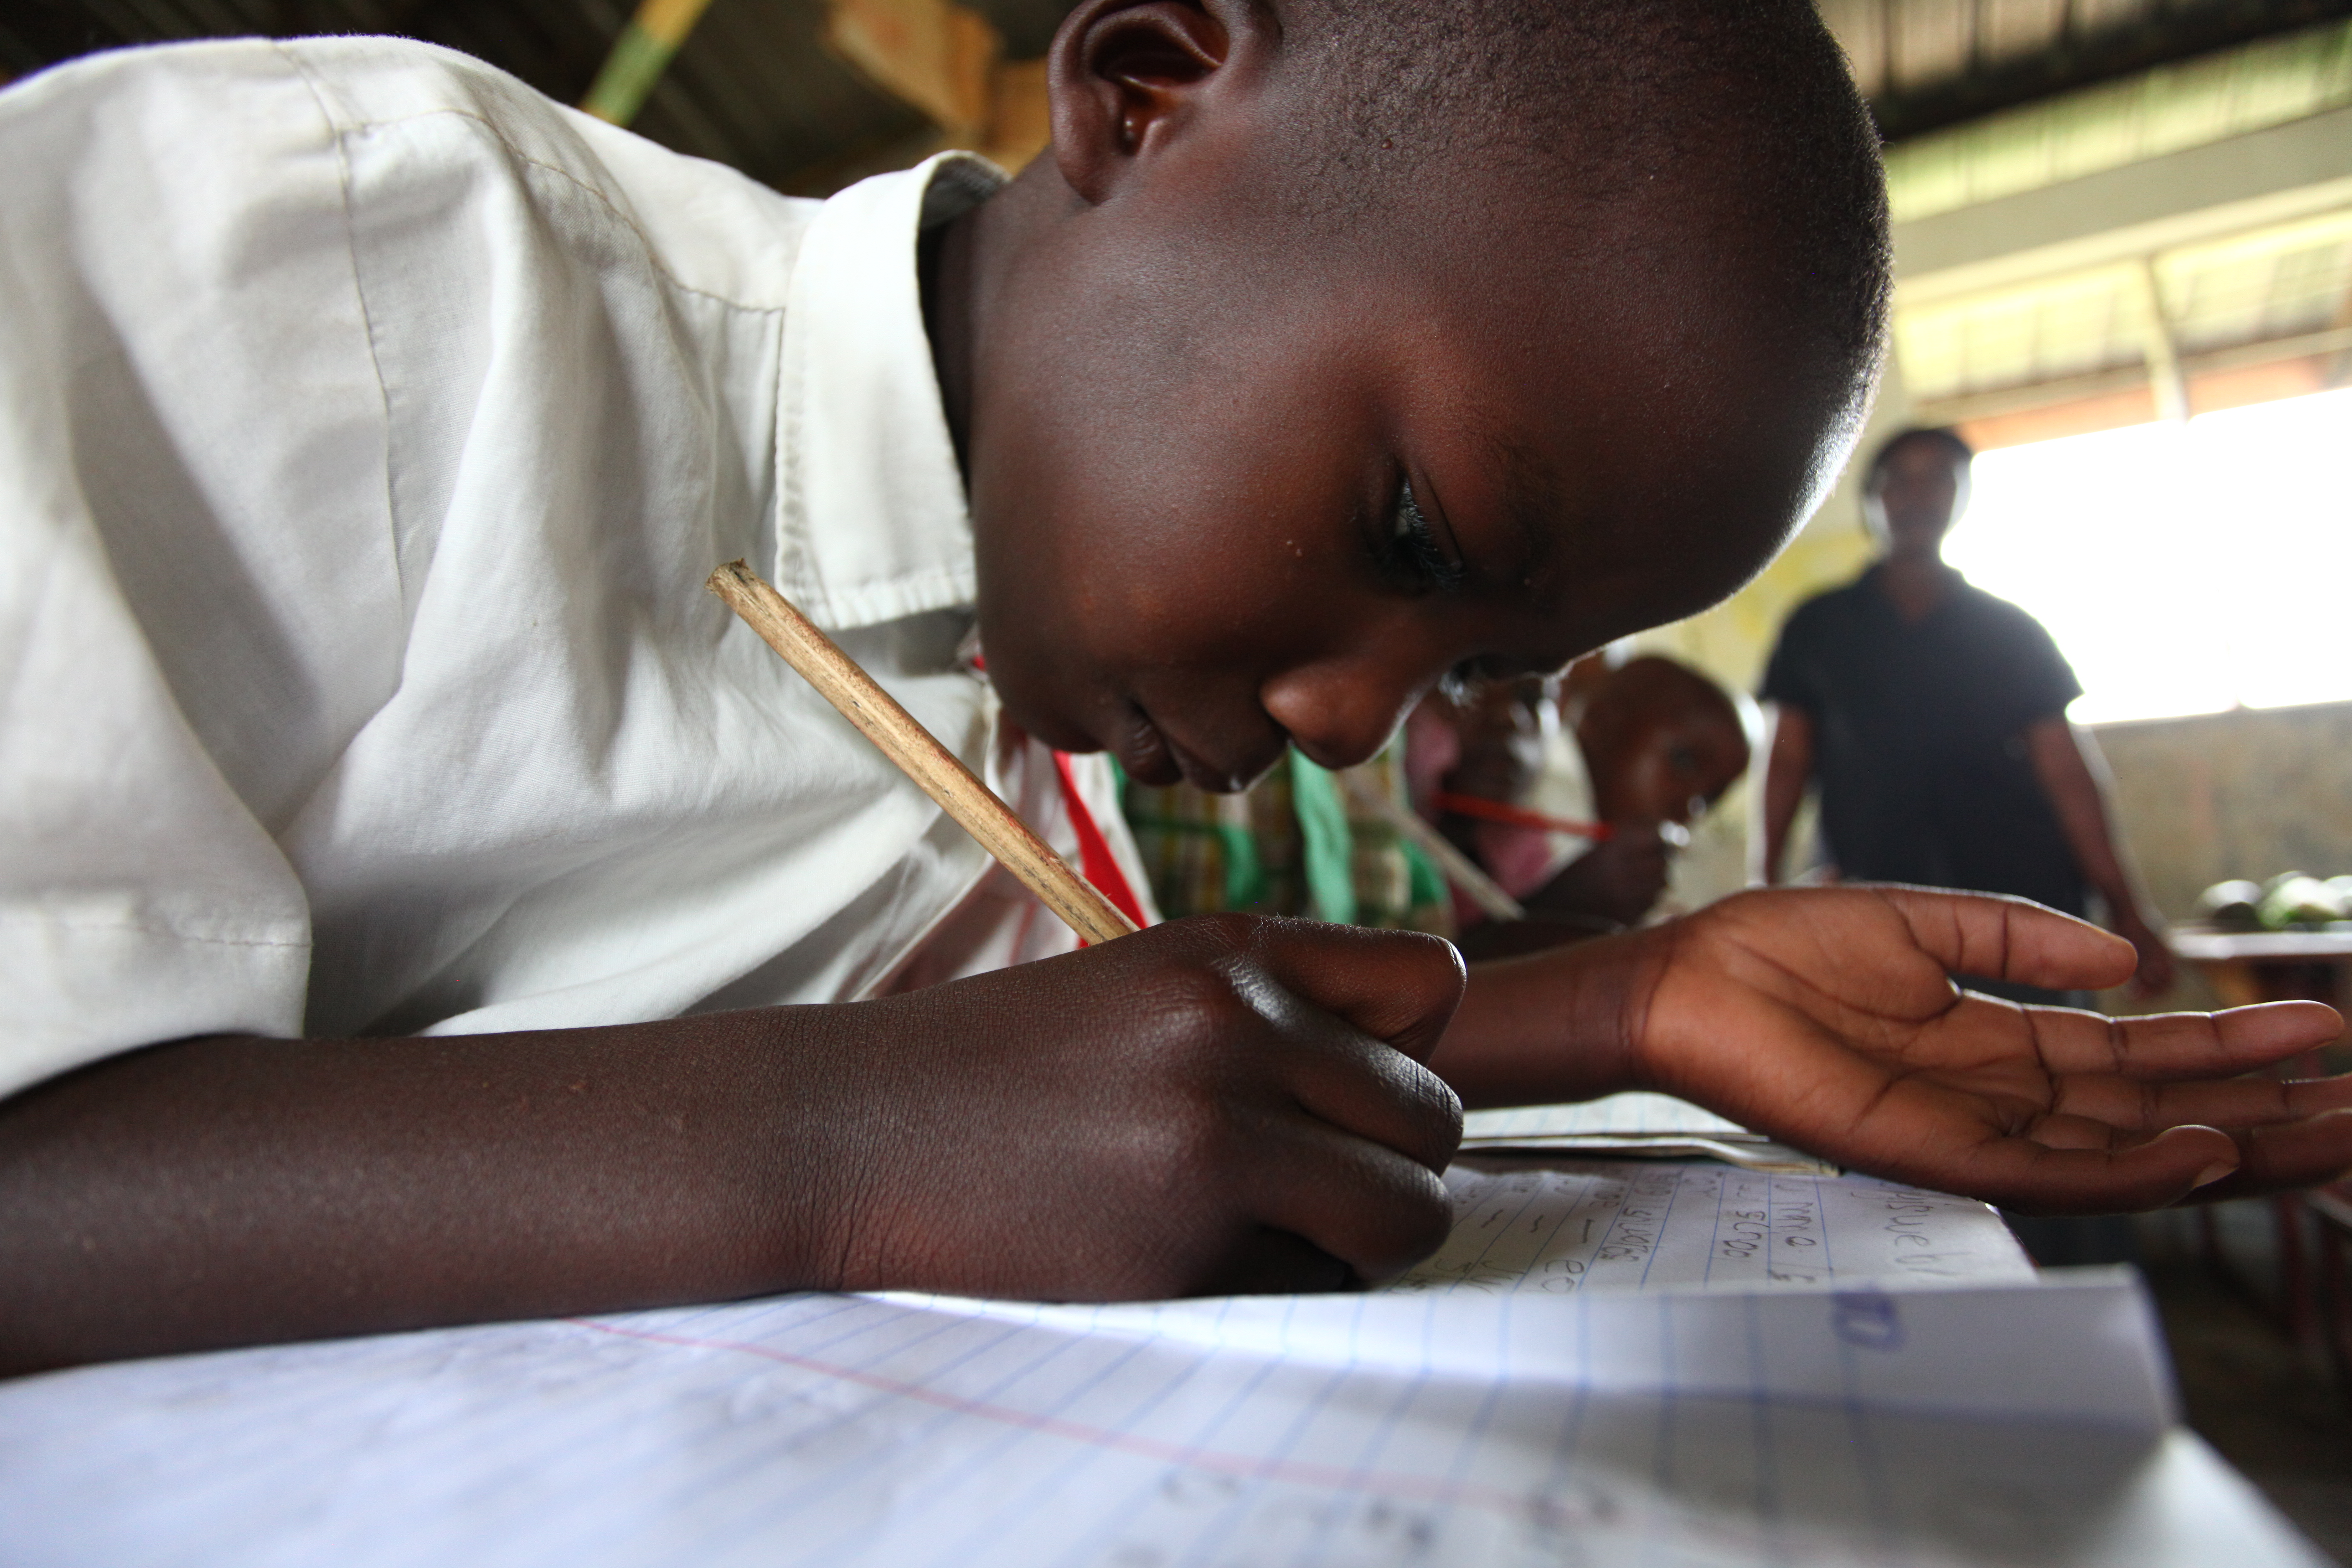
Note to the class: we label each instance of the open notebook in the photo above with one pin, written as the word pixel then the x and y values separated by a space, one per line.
pixel 1609 1363
pixel 1650 1125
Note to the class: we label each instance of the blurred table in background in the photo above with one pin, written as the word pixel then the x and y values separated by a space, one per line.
pixel 2269 965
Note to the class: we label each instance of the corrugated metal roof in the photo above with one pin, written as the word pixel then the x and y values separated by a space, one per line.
pixel 2213 290
pixel 1926 64
pixel 2158 112
pixel 2278 293
pixel 756 88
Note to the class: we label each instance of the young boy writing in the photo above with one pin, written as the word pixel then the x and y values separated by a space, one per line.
pixel 410 865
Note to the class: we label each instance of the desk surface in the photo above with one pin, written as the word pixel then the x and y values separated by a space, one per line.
pixel 2207 946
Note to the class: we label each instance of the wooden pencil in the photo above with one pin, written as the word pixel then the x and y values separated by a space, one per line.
pixel 1459 868
pixel 935 770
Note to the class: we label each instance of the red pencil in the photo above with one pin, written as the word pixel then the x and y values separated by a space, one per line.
pixel 1520 816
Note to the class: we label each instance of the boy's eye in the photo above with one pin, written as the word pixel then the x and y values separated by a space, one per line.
pixel 1413 546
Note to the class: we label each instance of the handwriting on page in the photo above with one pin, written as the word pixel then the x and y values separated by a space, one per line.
pixel 1598 1225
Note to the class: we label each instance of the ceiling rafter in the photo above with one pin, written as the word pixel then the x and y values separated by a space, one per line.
pixel 1927 64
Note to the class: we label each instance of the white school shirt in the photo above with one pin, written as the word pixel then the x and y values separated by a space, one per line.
pixel 368 426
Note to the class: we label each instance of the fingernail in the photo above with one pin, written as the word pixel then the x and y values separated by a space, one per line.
pixel 2211 1175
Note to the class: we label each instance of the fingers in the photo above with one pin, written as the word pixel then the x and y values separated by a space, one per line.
pixel 1400 987
pixel 1361 1087
pixel 2232 1104
pixel 1356 1013
pixel 1368 1206
pixel 2012 939
pixel 2031 1177
pixel 2181 1045
pixel 1360 1084
pixel 2281 1158
pixel 1275 1263
pixel 1321 1134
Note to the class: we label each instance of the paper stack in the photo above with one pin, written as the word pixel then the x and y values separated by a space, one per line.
pixel 1652 1125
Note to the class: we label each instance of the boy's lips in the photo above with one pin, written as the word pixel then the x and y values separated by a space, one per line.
pixel 1151 755
pixel 1143 752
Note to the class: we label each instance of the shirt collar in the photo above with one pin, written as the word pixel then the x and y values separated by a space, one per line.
pixel 872 521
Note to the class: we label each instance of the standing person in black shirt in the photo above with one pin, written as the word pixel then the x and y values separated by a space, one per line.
pixel 1934 717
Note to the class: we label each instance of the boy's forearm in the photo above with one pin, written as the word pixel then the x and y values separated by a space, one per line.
pixel 226 1191
pixel 1555 1026
pixel 1214 1105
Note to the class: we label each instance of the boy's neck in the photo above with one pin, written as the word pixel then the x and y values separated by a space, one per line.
pixel 946 269
pixel 968 268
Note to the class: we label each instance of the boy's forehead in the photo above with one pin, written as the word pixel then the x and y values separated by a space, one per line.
pixel 1663 386
pixel 1666 484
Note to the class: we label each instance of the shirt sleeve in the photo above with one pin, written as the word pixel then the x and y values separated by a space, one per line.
pixel 176 666
pixel 2043 682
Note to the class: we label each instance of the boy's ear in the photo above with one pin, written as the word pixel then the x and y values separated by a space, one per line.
pixel 1124 74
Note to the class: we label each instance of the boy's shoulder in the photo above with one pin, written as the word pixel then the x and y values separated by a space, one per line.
pixel 711 229
pixel 416 129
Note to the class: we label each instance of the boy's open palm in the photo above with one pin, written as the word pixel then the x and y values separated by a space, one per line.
pixel 1824 1017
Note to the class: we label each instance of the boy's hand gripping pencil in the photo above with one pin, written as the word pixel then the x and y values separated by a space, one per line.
pixel 917 754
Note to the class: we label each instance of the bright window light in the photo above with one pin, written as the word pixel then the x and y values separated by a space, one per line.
pixel 2182 569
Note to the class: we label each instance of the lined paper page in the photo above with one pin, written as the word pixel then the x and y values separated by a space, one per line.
pixel 2079 1350
pixel 1627 1225
pixel 1798 1428
pixel 1684 1399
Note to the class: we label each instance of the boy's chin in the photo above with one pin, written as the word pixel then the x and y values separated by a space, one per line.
pixel 1035 712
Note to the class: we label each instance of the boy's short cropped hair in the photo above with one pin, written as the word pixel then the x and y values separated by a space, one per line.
pixel 1752 100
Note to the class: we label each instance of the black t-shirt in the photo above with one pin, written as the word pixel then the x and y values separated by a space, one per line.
pixel 1919 740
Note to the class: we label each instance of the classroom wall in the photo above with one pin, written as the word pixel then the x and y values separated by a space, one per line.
pixel 2246 793
pixel 2250 793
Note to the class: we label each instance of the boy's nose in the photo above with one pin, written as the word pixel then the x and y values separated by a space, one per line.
pixel 1339 713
